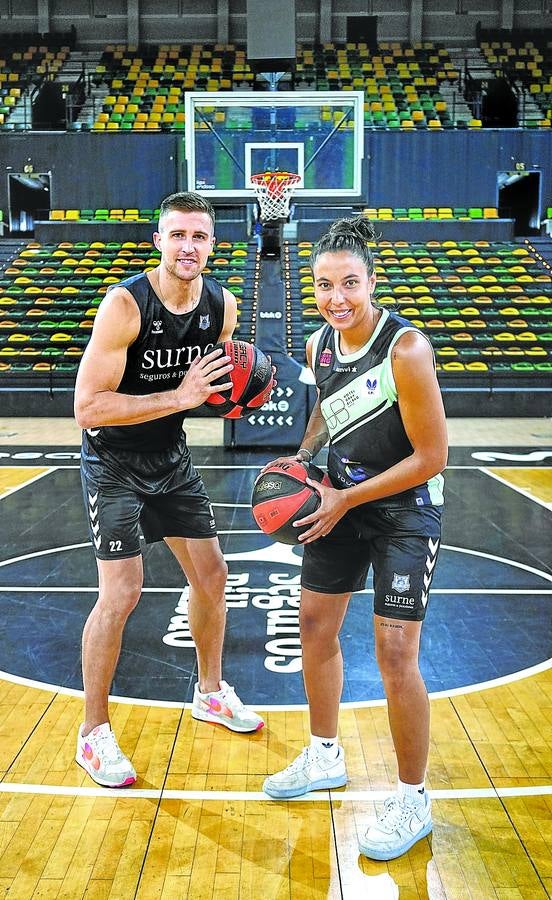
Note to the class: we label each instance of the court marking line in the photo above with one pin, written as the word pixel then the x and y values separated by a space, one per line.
pixel 515 487
pixel 178 590
pixel 313 797
pixel 482 553
pixel 7 493
pixel 347 704
pixel 242 466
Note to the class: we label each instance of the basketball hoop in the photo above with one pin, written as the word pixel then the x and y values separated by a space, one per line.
pixel 274 191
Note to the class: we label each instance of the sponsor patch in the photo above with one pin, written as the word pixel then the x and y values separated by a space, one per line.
pixel 371 385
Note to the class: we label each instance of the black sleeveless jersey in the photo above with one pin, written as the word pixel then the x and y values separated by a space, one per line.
pixel 160 357
pixel 358 399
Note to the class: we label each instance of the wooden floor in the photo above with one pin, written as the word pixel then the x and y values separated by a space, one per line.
pixel 197 825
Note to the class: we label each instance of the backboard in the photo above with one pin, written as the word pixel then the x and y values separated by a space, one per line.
pixel 317 134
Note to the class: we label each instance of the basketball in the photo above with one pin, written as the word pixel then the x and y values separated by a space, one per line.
pixel 251 377
pixel 281 496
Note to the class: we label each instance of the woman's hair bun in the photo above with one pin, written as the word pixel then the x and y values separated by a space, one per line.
pixel 359 227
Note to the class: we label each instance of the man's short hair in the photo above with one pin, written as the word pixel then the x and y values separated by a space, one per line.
pixel 186 201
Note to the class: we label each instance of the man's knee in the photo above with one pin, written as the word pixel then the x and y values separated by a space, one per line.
pixel 212 580
pixel 119 594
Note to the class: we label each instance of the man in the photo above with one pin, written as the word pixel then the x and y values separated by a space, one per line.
pixel 148 362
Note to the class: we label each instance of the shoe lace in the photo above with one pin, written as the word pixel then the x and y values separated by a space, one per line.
pixel 394 814
pixel 231 699
pixel 299 761
pixel 107 746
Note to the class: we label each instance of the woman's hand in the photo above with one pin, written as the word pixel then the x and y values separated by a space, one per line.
pixel 333 506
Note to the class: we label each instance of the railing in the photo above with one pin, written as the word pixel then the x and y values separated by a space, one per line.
pixel 75 97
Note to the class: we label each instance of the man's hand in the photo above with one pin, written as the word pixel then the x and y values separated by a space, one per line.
pixel 205 376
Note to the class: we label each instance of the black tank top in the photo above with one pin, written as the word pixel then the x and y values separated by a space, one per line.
pixel 160 357
pixel 359 402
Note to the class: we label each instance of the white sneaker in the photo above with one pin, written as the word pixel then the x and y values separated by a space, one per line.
pixel 100 755
pixel 309 772
pixel 224 707
pixel 397 828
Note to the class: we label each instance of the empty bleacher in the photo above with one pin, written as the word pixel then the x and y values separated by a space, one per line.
pixel 49 295
pixel 486 307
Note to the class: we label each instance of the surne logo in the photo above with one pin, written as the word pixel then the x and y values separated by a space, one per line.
pixel 171 357
pixel 157 327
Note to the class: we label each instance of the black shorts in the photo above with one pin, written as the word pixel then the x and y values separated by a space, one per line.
pixel 157 494
pixel 400 543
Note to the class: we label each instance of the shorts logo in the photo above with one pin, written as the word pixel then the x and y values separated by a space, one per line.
pixel 157 327
pixel 204 322
pixel 93 515
pixel 400 582
pixel 326 357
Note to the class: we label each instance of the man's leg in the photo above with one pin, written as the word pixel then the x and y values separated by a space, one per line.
pixel 204 566
pixel 214 700
pixel 120 586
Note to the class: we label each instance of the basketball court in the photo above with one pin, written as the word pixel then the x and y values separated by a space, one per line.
pixel 197 823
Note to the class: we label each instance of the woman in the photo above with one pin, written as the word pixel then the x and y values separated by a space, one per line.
pixel 380 406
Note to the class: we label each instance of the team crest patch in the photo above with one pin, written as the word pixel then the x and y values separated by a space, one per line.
pixel 326 357
pixel 400 582
pixel 371 385
pixel 204 322
pixel 157 327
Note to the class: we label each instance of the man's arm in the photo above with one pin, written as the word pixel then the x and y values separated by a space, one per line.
pixel 230 315
pixel 97 404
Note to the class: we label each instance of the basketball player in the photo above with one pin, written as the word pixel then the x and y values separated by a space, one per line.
pixel 149 362
pixel 380 406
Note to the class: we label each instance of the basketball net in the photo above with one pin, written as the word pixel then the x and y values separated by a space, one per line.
pixel 274 191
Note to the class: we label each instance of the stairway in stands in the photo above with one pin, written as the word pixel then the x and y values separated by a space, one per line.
pixel 9 249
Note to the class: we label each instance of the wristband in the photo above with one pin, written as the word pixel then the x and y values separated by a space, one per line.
pixel 306 450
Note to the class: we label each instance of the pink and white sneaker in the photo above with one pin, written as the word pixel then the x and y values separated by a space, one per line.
pixel 100 755
pixel 224 707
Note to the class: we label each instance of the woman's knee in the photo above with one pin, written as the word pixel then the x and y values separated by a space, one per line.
pixel 397 667
pixel 315 627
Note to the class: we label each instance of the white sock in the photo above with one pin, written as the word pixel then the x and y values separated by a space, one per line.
pixel 412 793
pixel 327 747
